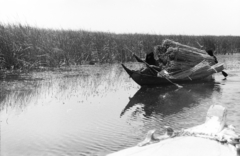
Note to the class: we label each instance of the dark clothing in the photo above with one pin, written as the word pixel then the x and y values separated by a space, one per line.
pixel 210 52
pixel 154 65
pixel 150 59
pixel 162 61
pixel 215 58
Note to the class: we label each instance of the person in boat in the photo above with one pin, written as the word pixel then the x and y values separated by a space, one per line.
pixel 210 52
pixel 151 60
pixel 152 65
pixel 159 55
pixel 156 60
pixel 164 57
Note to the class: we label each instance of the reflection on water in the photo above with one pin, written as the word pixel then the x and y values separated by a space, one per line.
pixel 98 110
pixel 169 100
pixel 153 108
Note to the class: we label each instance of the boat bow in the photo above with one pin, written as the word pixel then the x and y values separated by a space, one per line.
pixel 213 138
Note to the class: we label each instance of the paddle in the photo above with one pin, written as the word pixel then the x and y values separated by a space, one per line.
pixel 148 66
pixel 152 69
pixel 224 74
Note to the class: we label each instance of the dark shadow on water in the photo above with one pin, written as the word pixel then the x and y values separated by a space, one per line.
pixel 169 100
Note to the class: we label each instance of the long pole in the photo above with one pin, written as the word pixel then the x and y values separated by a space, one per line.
pixel 152 69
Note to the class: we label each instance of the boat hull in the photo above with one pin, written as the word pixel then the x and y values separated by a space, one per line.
pixel 181 146
pixel 203 142
pixel 148 80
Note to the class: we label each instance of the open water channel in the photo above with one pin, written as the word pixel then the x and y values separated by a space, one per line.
pixel 96 110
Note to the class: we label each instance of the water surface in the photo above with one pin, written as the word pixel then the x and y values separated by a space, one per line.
pixel 96 110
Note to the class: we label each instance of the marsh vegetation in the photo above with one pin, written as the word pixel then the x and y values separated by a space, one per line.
pixel 23 47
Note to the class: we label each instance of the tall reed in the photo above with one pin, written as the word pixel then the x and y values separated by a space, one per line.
pixel 26 47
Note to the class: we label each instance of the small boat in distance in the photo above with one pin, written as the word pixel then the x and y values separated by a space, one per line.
pixel 213 138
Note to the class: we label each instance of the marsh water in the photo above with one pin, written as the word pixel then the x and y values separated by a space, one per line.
pixel 97 110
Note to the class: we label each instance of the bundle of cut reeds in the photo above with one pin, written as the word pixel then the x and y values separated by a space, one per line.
pixel 185 61
pixel 186 55
pixel 179 66
pixel 182 58
pixel 201 70
pixel 170 43
pixel 211 70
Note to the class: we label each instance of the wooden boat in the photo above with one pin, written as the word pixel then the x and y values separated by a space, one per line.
pixel 213 138
pixel 175 63
pixel 150 80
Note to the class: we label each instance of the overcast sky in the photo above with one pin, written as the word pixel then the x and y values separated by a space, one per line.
pixel 186 17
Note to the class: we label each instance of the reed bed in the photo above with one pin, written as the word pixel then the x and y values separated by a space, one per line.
pixel 23 47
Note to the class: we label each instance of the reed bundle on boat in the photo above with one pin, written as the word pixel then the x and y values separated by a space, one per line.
pixel 183 54
pixel 203 69
pixel 200 67
pixel 170 43
pixel 180 66
pixel 182 58
pixel 213 69
pixel 185 62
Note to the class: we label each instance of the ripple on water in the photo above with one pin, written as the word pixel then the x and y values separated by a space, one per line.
pixel 93 115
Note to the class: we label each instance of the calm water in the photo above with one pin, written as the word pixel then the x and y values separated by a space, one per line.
pixel 76 113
